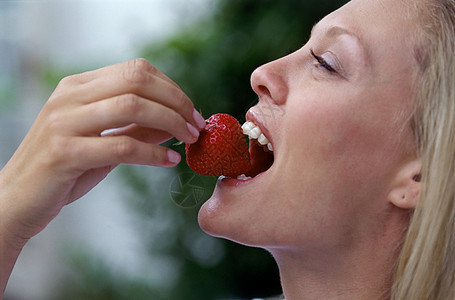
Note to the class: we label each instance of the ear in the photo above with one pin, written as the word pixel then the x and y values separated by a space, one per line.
pixel 406 186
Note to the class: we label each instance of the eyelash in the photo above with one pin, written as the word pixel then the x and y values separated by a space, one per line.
pixel 322 62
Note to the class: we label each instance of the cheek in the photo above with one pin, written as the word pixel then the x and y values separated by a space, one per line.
pixel 334 164
pixel 337 147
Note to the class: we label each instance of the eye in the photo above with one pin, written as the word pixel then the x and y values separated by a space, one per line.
pixel 321 62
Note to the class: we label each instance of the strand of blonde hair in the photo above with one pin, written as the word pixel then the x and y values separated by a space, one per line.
pixel 426 266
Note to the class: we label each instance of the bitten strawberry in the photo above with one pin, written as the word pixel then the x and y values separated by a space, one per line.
pixel 220 150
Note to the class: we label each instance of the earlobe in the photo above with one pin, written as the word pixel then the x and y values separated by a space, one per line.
pixel 406 186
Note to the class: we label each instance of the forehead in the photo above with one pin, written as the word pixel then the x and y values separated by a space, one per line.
pixel 393 10
pixel 378 18
pixel 387 29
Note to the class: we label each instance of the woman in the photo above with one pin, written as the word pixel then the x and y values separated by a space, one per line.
pixel 358 201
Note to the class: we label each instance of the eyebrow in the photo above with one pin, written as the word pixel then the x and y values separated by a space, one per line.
pixel 334 31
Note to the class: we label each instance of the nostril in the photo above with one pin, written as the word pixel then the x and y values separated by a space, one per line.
pixel 262 90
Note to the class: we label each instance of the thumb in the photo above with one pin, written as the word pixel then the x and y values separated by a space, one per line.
pixel 88 180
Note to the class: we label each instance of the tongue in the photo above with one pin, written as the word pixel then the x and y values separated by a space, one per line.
pixel 260 160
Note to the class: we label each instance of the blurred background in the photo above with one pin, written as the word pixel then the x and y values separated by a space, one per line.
pixel 135 236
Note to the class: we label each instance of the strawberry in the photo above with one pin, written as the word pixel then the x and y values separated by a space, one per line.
pixel 221 148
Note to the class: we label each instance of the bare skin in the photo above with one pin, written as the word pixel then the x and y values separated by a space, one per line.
pixel 64 154
pixel 330 208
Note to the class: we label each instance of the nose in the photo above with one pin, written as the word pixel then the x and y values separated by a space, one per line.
pixel 269 81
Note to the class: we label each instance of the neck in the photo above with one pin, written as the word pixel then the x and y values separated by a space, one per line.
pixel 362 271
pixel 333 280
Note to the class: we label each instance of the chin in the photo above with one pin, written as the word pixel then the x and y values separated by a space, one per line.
pixel 236 211
pixel 220 225
pixel 216 216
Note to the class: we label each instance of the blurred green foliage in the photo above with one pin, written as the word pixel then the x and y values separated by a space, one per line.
pixel 7 93
pixel 212 62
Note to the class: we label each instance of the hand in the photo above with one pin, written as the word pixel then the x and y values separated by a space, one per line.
pixel 64 154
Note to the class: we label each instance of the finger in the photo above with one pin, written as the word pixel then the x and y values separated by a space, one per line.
pixel 148 87
pixel 140 63
pixel 128 109
pixel 97 152
pixel 87 181
pixel 137 79
pixel 144 134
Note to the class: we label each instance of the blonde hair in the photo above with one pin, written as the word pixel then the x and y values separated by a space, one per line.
pixel 426 266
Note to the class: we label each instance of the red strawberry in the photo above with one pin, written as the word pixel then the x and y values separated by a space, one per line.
pixel 220 150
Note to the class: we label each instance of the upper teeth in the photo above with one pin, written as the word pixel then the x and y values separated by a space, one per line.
pixel 254 132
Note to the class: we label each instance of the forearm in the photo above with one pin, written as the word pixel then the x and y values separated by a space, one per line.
pixel 10 246
pixel 12 237
pixel 9 252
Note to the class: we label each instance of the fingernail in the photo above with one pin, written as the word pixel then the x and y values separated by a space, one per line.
pixel 194 132
pixel 200 121
pixel 173 157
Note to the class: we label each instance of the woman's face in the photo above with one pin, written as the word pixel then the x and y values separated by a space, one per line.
pixel 336 112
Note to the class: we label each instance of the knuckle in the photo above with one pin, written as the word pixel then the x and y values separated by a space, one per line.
pixel 64 87
pixel 65 84
pixel 135 77
pixel 66 81
pixel 139 64
pixel 124 147
pixel 136 73
pixel 70 80
pixel 129 104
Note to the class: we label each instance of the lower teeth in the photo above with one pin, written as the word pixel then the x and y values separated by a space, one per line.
pixel 243 177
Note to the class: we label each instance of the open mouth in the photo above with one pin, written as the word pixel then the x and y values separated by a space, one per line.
pixel 260 148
